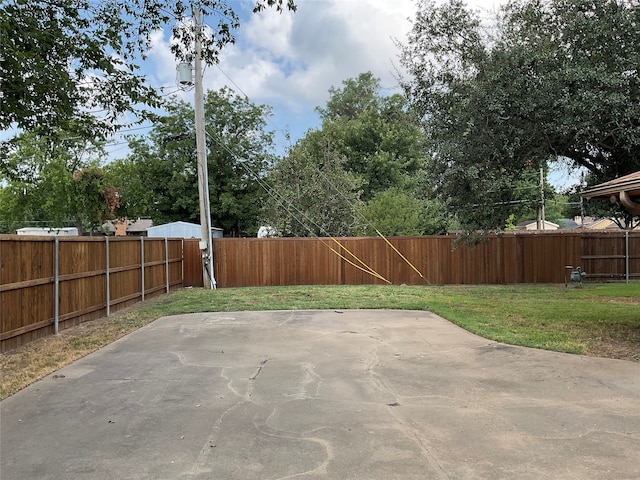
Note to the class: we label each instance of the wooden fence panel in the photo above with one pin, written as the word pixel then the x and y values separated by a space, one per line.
pixel 604 255
pixel 82 280
pixel 125 258
pixel 544 257
pixel 28 280
pixel 175 262
pixel 265 262
pixel 634 257
pixel 442 261
pixel 155 267
pixel 193 263
pixel 26 273
pixel 506 258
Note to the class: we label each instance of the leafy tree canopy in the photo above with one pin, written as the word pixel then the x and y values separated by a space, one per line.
pixel 61 60
pixel 394 212
pixel 159 178
pixel 311 196
pixel 370 148
pixel 552 80
pixel 54 181
pixel 378 135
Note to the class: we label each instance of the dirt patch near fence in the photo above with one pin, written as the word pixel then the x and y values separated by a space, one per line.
pixel 35 360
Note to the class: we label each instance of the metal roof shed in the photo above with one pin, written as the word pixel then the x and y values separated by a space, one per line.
pixel 49 232
pixel 181 230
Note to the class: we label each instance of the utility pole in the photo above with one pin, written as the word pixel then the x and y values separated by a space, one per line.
pixel 208 277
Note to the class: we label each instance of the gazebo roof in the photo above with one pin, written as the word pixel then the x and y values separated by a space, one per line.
pixel 622 190
pixel 629 183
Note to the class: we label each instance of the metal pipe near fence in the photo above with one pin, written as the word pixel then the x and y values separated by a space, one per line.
pixel 626 254
pixel 166 261
pixel 56 285
pixel 142 264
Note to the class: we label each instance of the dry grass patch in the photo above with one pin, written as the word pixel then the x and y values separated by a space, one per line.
pixel 39 358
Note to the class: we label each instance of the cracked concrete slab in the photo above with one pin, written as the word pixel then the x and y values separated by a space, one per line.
pixel 365 394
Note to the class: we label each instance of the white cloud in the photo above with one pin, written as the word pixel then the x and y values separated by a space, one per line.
pixel 324 43
pixel 290 60
pixel 161 58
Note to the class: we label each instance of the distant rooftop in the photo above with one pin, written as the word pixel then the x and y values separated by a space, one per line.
pixel 139 225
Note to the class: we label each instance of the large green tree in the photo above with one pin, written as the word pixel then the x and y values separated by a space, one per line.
pixel 552 80
pixel 378 135
pixel 311 196
pixel 370 148
pixel 159 178
pixel 395 212
pixel 61 59
pixel 54 181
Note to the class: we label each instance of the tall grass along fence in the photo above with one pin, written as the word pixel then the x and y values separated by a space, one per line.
pixel 495 259
pixel 50 283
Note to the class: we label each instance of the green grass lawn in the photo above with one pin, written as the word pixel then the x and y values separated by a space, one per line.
pixel 595 319
pixel 552 317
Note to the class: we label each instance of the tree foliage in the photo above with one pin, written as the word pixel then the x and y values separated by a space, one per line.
pixel 395 212
pixel 311 196
pixel 552 80
pixel 378 135
pixel 61 59
pixel 54 181
pixel 369 146
pixel 159 178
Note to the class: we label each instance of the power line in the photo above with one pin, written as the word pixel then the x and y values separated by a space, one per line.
pixel 340 193
pixel 292 210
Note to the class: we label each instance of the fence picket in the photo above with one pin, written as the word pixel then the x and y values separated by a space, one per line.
pixel 496 259
pixel 41 290
pixel 77 281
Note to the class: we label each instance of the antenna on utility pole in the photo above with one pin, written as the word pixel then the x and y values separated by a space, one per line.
pixel 208 277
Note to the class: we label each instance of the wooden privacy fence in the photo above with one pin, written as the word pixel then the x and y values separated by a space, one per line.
pixel 496 259
pixel 47 284
pixel 50 283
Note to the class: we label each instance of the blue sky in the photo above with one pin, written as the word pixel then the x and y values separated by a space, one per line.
pixel 289 61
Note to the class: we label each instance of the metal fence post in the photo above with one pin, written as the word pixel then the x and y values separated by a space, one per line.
pixel 166 260
pixel 626 254
pixel 56 285
pixel 142 264
pixel 108 281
